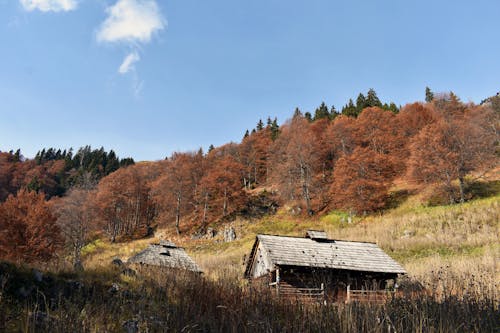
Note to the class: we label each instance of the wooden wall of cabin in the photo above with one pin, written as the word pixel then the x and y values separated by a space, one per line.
pixel 335 282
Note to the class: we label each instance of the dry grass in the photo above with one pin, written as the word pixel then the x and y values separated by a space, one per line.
pixel 452 251
pixel 166 301
pixel 423 239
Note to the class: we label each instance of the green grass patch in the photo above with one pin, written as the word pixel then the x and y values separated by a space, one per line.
pixel 411 254
pixel 93 247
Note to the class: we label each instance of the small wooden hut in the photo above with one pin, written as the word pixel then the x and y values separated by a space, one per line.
pixel 166 255
pixel 316 267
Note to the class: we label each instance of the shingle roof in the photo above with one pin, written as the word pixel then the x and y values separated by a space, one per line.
pixel 356 256
pixel 316 234
pixel 165 255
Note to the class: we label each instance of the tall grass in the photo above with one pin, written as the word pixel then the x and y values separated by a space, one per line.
pixel 165 301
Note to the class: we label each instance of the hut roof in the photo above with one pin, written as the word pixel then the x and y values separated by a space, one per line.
pixel 316 234
pixel 165 254
pixel 324 253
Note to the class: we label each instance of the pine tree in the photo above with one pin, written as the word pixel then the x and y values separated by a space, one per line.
pixel 372 99
pixel 350 109
pixel 275 129
pixel 321 112
pixel 260 125
pixel 247 134
pixel 360 103
pixel 429 95
pixel 297 113
pixel 393 108
pixel 308 116
pixel 269 122
pixel 333 113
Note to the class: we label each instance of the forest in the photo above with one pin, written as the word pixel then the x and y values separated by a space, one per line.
pixel 312 164
pixel 420 180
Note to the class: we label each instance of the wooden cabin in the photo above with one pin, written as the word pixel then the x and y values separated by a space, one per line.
pixel 165 255
pixel 317 268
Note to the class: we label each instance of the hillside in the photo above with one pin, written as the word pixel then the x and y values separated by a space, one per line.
pixel 451 250
pixel 434 244
pixel 422 182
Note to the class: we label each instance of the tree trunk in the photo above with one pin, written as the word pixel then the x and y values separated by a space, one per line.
pixel 205 209
pixel 305 189
pixel 461 184
pixel 178 214
pixel 224 204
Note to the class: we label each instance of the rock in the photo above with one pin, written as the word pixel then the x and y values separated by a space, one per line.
pixel 117 262
pixel 229 234
pixel 129 272
pixel 131 326
pixel 196 236
pixel 114 288
pixel 211 233
pixel 408 233
pixel 37 275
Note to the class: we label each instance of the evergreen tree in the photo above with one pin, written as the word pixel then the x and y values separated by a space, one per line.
pixel 360 103
pixel 275 129
pixel 260 125
pixel 372 99
pixel 308 116
pixel 393 108
pixel 350 109
pixel 126 162
pixel 429 95
pixel 247 134
pixel 269 122
pixel 211 147
pixel 333 113
pixel 321 112
pixel 17 156
pixel 297 113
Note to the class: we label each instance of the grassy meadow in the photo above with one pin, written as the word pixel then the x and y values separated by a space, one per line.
pixel 452 251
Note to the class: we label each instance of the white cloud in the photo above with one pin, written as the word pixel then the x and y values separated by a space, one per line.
pixel 49 5
pixel 128 62
pixel 131 21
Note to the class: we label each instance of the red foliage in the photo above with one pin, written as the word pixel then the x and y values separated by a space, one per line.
pixel 361 181
pixel 28 230
pixel 451 148
pixel 221 189
pixel 124 202
pixel 296 163
pixel 255 152
pixel 175 190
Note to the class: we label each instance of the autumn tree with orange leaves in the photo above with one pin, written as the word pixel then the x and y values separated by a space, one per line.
pixel 76 217
pixel 175 190
pixel 453 147
pixel 361 181
pixel 255 152
pixel 221 188
pixel 124 203
pixel 296 161
pixel 28 229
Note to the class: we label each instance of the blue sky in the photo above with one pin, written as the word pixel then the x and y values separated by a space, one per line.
pixel 150 77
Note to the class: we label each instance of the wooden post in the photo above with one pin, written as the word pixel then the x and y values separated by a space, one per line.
pixel 323 294
pixel 348 293
pixel 277 280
